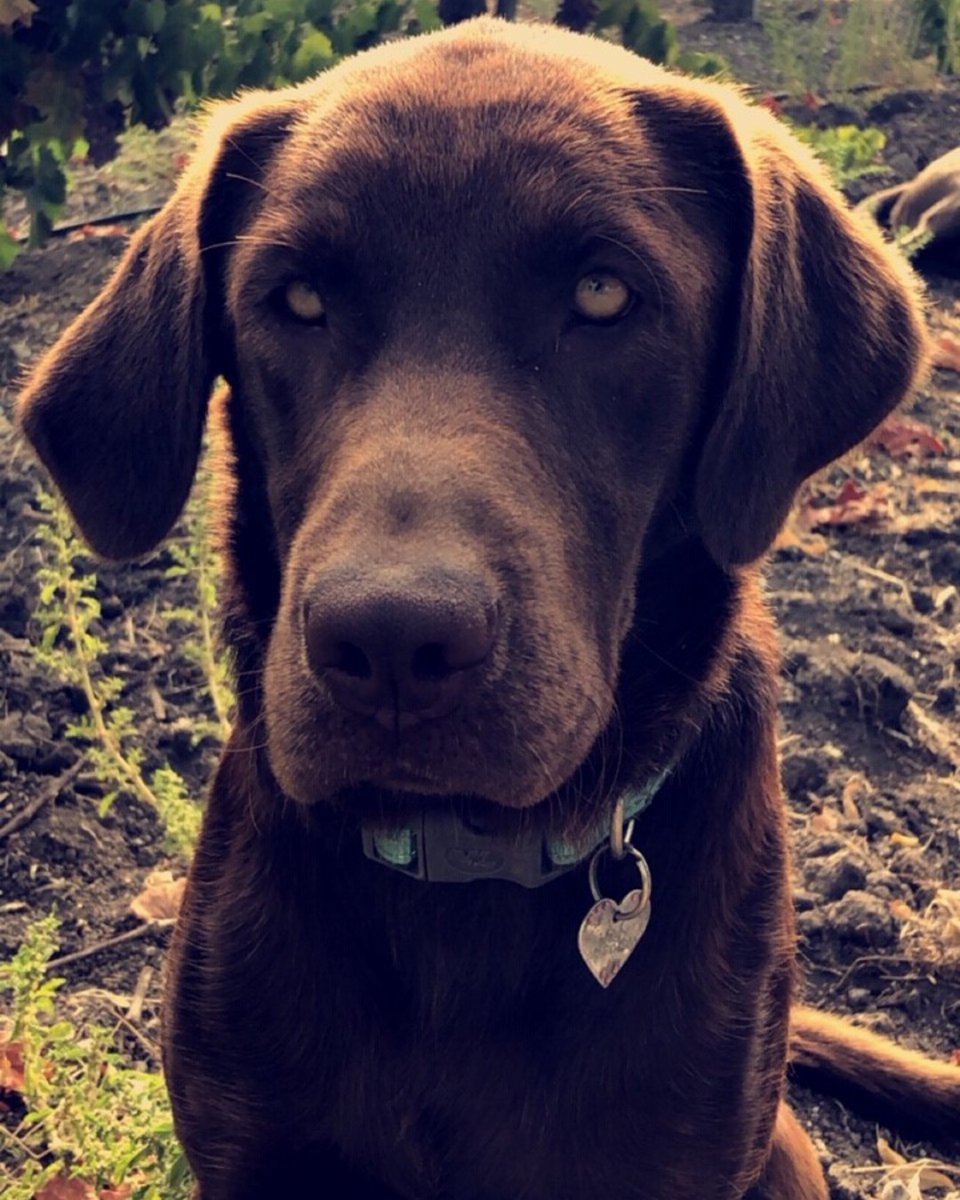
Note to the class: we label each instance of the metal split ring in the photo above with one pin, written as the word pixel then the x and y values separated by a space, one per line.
pixel 646 883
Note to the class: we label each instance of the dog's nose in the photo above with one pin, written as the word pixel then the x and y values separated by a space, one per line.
pixel 399 644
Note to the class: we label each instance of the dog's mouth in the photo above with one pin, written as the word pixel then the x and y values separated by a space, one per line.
pixel 406 796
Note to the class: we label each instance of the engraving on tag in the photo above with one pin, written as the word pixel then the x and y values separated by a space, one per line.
pixel 610 932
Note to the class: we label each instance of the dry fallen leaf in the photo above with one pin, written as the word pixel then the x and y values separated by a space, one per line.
pixel 931 1177
pixel 905 439
pixel 887 1154
pixel 827 821
pixel 933 485
pixel 16 12
pixel 853 505
pixel 793 537
pixel 11 1065
pixel 933 936
pixel 946 352
pixel 64 1188
pixel 944 913
pixel 160 899
pixel 903 839
pixel 856 791
pixel 910 1180
pixel 95 231
pixel 901 911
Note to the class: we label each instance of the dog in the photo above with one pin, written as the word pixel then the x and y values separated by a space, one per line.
pixel 528 344
pixel 926 211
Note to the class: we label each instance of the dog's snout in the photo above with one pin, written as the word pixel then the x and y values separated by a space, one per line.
pixel 399 644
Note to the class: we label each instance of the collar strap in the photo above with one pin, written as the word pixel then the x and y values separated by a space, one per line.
pixel 439 846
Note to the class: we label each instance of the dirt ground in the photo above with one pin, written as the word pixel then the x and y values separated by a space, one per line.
pixel 865 585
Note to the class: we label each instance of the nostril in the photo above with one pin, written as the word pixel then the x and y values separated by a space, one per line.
pixel 351 660
pixel 327 651
pixel 381 647
pixel 430 662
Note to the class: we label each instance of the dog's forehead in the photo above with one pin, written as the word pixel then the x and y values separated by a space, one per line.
pixel 490 127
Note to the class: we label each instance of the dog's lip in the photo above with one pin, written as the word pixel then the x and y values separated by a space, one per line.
pixel 400 779
pixel 380 800
pixel 382 807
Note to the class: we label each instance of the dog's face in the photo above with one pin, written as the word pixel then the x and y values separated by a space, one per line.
pixel 502 312
pixel 473 357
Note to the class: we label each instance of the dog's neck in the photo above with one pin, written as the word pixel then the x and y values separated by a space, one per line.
pixel 442 845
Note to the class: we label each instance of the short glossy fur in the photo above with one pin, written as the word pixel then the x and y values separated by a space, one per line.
pixel 591 496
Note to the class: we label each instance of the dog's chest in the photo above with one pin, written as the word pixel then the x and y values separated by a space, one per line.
pixel 484 1052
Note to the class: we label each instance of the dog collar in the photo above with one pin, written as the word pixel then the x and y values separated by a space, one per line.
pixel 440 846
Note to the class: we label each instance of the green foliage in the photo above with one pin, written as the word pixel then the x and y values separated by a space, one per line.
pixel 868 42
pixel 642 29
pixel 194 557
pixel 67 612
pixel 911 241
pixel 797 48
pixel 940 29
pixel 90 1115
pixel 879 43
pixel 848 152
pixel 75 73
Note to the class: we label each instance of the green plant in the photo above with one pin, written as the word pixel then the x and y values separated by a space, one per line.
pixel 878 42
pixel 836 49
pixel 66 611
pixel 797 47
pixel 90 1115
pixel 195 558
pixel 940 29
pixel 911 241
pixel 75 73
pixel 642 29
pixel 847 151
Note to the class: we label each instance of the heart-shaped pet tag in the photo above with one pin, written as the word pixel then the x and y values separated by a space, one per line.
pixel 610 932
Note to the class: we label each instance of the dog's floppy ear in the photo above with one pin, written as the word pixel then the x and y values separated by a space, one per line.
pixel 116 409
pixel 829 334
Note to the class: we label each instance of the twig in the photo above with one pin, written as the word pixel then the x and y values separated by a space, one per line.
pixel 107 944
pixel 884 577
pixel 934 1164
pixel 50 792
pixel 106 219
pixel 148 1045
pixel 865 959
pixel 135 1007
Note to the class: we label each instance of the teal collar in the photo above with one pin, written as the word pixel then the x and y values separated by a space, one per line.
pixel 440 846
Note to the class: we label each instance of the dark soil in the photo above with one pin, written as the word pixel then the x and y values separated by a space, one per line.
pixel 870 619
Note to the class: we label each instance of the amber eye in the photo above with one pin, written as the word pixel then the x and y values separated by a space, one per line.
pixel 303 301
pixel 601 296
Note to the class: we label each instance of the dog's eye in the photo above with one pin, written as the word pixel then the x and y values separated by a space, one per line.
pixel 303 301
pixel 601 296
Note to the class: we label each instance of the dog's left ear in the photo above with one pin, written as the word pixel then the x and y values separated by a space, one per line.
pixel 829 335
pixel 116 408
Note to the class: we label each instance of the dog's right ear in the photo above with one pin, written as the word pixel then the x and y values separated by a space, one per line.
pixel 116 409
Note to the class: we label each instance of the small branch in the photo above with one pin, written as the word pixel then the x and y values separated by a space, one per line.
pixel 135 1007
pixel 51 792
pixel 108 943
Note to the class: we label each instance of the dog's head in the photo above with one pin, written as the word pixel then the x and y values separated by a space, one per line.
pixel 504 312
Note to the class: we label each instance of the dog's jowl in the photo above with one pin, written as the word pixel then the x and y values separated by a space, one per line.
pixel 528 345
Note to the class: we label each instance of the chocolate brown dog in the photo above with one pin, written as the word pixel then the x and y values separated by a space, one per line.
pixel 529 345
pixel 925 212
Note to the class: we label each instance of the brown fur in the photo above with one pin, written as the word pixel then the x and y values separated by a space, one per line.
pixel 576 507
pixel 926 211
